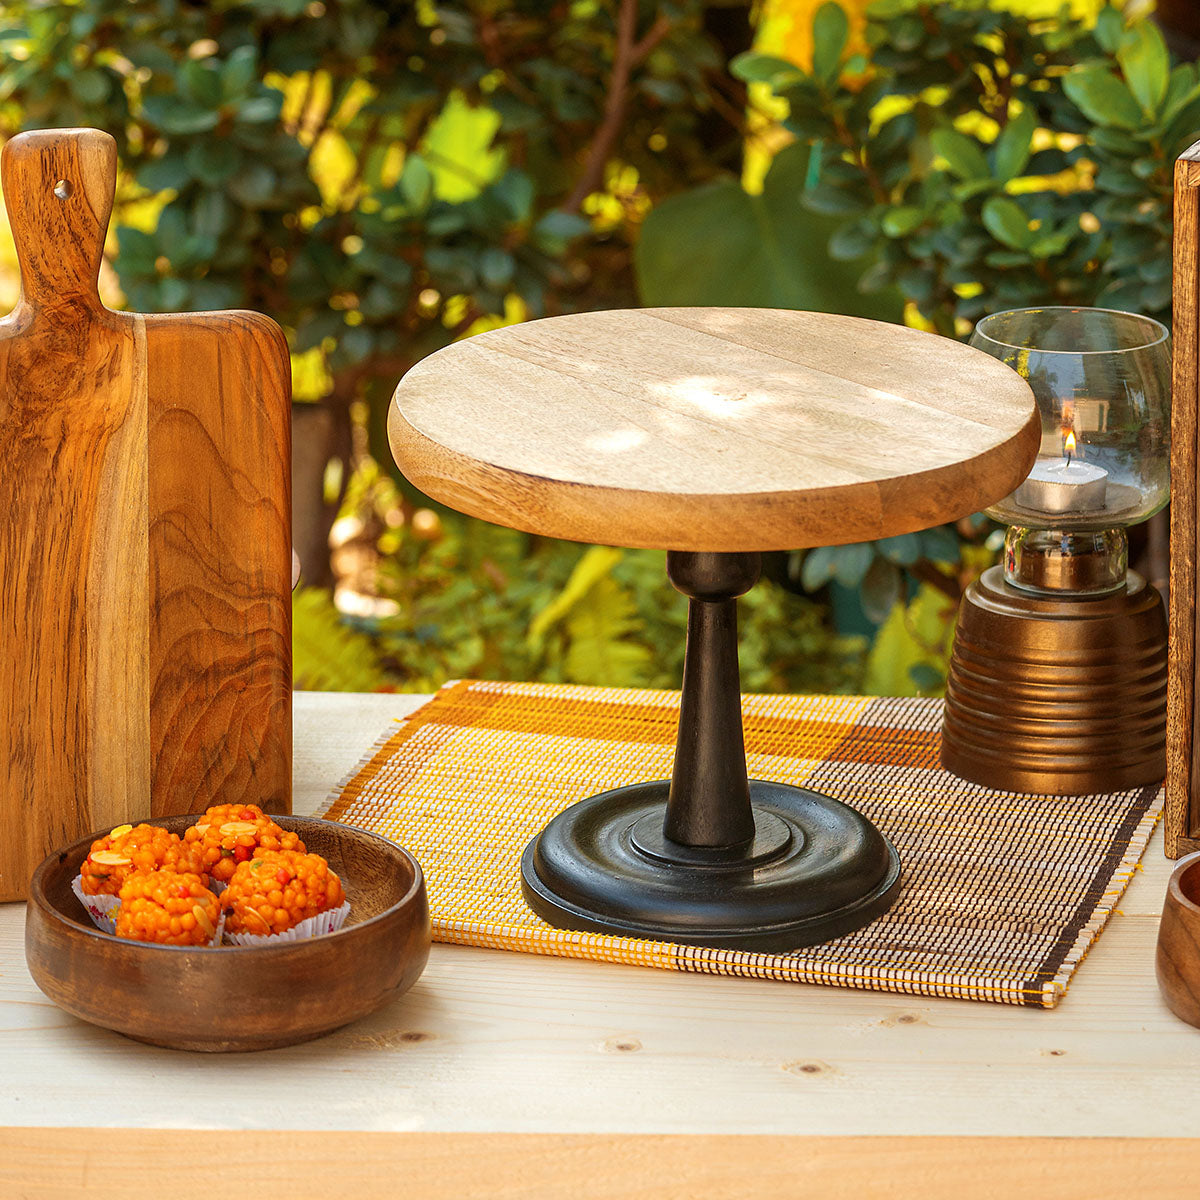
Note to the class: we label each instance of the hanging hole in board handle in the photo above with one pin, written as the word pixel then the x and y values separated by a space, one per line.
pixel 63 189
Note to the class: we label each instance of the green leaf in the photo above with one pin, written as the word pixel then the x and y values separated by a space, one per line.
pixel 900 222
pixel 940 544
pixel 416 183
pixel 212 160
pixel 753 67
pixel 496 268
pixel 852 241
pixel 1181 90
pixel 515 189
pixel 1103 98
pixel 851 563
pixel 1110 29
pixel 831 28
pixel 1005 221
pixel 170 172
pixel 817 569
pixel 173 114
pixel 927 678
pixel 461 151
pixel 212 214
pixel 136 251
pixel 238 72
pixel 1146 64
pixel 261 109
pixel 759 250
pixel 172 295
pixel 254 186
pixel 1050 245
pixel 832 201
pixel 594 564
pixel 1010 155
pixel 963 154
pixel 880 590
pixel 911 637
pixel 201 80
pixel 904 549
pixel 90 86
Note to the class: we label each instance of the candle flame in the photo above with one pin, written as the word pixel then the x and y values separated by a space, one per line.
pixel 1069 444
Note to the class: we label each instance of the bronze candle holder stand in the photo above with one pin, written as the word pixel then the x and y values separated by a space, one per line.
pixel 1058 691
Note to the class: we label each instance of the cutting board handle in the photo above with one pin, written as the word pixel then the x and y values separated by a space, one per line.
pixel 58 186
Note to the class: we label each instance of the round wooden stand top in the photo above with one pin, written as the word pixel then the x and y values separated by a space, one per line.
pixel 713 429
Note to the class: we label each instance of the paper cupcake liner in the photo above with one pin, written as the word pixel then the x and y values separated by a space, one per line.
pixel 102 909
pixel 329 921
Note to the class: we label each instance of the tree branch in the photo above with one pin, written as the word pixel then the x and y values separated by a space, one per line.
pixel 627 55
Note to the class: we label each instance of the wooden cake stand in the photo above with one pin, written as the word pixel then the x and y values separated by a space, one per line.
pixel 713 434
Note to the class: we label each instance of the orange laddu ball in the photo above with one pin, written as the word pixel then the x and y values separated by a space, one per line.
pixel 169 908
pixel 277 890
pixel 229 834
pixel 129 848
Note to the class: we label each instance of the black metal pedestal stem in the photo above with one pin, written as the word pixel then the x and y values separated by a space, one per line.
pixel 709 803
pixel 712 858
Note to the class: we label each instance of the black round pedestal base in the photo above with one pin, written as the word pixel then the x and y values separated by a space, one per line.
pixel 815 870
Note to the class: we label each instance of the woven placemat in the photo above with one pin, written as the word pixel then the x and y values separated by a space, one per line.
pixel 1001 896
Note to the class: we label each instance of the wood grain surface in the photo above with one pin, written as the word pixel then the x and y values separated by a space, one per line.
pixel 1182 820
pixel 74 608
pixel 145 649
pixel 495 1043
pixel 220 559
pixel 52 1164
pixel 713 429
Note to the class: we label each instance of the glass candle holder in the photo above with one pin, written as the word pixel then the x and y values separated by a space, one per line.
pixel 1058 676
pixel 1102 380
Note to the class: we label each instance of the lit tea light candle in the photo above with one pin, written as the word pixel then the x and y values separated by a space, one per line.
pixel 1064 486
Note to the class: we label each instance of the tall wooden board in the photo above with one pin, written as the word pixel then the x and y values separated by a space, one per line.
pixel 145 648
pixel 1182 825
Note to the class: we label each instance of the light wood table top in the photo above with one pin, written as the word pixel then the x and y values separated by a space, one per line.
pixel 468 1084
pixel 714 429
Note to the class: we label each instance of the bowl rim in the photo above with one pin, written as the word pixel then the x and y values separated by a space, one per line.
pixel 38 897
pixel 1174 891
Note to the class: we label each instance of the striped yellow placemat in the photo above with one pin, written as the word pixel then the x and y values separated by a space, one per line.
pixel 1002 894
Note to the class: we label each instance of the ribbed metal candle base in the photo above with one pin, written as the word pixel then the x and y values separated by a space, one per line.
pixel 1057 694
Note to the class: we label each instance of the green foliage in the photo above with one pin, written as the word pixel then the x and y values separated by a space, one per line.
pixel 756 252
pixel 379 178
pixel 478 600
pixel 978 161
pixel 986 162
pixel 327 656
pixel 911 652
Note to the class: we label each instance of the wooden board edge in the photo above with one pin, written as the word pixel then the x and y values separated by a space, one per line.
pixel 1184 845
pixel 41 1164
pixel 1182 774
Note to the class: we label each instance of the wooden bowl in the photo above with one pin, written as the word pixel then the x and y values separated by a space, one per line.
pixel 237 997
pixel 1177 959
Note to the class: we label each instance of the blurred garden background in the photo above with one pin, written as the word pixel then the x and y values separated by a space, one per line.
pixel 383 178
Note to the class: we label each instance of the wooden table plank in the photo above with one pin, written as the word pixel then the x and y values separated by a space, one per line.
pixel 380 1166
pixel 495 1042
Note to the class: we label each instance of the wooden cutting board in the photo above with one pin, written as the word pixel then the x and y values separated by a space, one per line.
pixel 145 613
